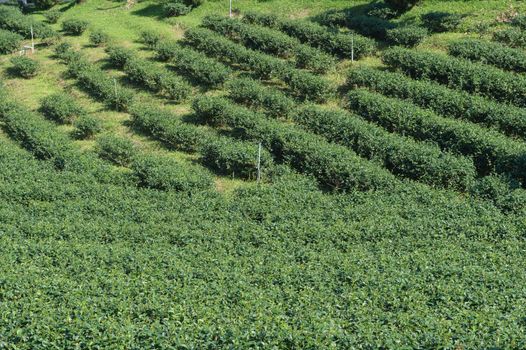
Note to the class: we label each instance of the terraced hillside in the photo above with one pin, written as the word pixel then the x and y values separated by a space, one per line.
pixel 302 175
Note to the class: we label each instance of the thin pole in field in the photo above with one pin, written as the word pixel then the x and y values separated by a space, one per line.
pixel 230 11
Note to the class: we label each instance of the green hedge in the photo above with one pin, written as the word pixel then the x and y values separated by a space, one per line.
pixel 399 154
pixel 513 37
pixel 408 36
pixel 490 53
pixel 9 42
pixel 168 174
pixel 272 102
pixel 338 44
pixel 25 67
pixel 97 82
pixel 61 108
pixel 116 149
pixel 370 26
pixel 458 73
pixel 303 85
pixel 334 166
pixel 12 19
pixel 74 26
pixel 444 101
pixel 270 41
pixel 490 150
pixel 167 127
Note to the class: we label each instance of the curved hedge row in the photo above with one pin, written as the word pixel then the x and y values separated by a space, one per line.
pixel 490 53
pixel 399 154
pixel 444 101
pixel 270 41
pixel 157 79
pixel 513 37
pixel 168 174
pixel 97 82
pixel 338 44
pixel 334 166
pixel 272 102
pixel 303 84
pixel 458 73
pixel 12 19
pixel 223 154
pixel 491 151
pixel 195 65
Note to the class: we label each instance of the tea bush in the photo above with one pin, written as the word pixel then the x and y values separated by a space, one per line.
pixel 25 67
pixel 116 149
pixel 9 41
pixel 87 126
pixel 61 108
pixel 74 26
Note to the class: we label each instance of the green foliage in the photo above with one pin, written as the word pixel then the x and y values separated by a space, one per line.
pixel 25 67
pixel 98 38
pixel 513 37
pixel 403 5
pixel 334 166
pixel 118 55
pixel 62 50
pixel 520 22
pixel 373 27
pixel 52 16
pixel 490 150
pixel 174 9
pixel 461 74
pixel 272 102
pixel 61 108
pixel 235 158
pixel 490 53
pixel 439 22
pixel 12 19
pixel 86 126
pixel 9 42
pixel 442 100
pixel 400 155
pixel 303 85
pixel 74 26
pixel 150 38
pixel 118 150
pixel 317 36
pixel 165 126
pixel 167 174
pixel 46 4
pixel 408 36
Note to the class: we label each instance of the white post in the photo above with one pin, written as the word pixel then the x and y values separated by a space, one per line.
pixel 32 41
pixel 230 12
pixel 259 162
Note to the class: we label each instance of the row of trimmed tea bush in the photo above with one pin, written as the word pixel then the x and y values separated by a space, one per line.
pixel 491 151
pixel 303 85
pixel 12 19
pixel 458 73
pixel 491 53
pixel 155 78
pixel 95 80
pixel 194 64
pixel 9 41
pixel 223 154
pixel 444 101
pixel 513 37
pixel 270 41
pixel 249 92
pixel 334 166
pixel 310 33
pixel 401 155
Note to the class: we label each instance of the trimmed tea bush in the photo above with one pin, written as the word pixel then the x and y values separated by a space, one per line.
pixel 9 41
pixel 406 36
pixel 174 9
pixel 494 54
pixel 61 108
pixel 74 26
pixel 168 174
pixel 458 73
pixel 25 67
pixel 52 16
pixel 513 37
pixel 444 101
pixel 98 38
pixel 150 38
pixel 86 126
pixel 116 149
pixel 439 22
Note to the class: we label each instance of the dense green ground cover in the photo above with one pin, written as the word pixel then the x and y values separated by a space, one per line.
pixel 386 226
